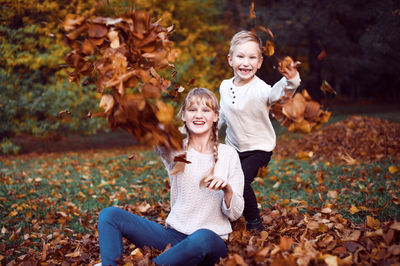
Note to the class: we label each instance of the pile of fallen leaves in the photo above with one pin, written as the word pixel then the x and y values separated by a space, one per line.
pixel 290 238
pixel 300 112
pixel 124 56
pixel 353 140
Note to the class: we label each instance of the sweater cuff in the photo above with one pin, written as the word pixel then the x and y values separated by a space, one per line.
pixel 235 208
pixel 294 82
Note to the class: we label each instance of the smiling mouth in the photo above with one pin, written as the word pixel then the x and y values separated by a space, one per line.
pixel 245 70
pixel 199 123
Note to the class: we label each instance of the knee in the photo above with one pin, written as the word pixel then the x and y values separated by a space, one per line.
pixel 205 235
pixel 209 241
pixel 108 214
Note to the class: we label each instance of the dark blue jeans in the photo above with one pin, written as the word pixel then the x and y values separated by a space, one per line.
pixel 251 162
pixel 203 247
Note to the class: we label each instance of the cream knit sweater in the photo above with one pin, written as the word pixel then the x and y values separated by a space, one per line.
pixel 194 207
pixel 245 110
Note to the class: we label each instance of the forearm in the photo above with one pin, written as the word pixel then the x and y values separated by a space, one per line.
pixel 228 193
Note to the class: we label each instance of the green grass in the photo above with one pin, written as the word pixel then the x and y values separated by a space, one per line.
pixel 39 194
pixel 369 187
pixel 80 185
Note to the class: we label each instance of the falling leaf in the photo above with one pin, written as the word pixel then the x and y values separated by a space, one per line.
pixel 284 63
pixel 321 55
pixel 252 13
pixel 181 158
pixel 326 87
pixel 269 48
pixel 107 103
pixel 266 30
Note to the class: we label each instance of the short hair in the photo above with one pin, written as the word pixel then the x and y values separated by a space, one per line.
pixel 242 37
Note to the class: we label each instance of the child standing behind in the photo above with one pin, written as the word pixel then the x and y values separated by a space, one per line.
pixel 245 102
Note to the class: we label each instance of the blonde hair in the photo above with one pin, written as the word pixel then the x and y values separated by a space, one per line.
pixel 208 98
pixel 245 36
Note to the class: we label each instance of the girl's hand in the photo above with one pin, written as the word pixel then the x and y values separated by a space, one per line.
pixel 217 183
pixel 220 184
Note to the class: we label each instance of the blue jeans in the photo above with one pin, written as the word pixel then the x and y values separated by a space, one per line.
pixel 203 247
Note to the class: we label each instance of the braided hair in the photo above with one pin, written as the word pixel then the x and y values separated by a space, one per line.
pixel 211 101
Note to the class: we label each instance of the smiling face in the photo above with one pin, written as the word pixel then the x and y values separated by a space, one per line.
pixel 245 60
pixel 199 117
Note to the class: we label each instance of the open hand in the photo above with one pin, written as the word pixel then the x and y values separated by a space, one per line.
pixel 217 183
pixel 288 67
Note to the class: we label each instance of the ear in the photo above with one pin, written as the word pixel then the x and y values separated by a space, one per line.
pixel 183 117
pixel 216 118
pixel 260 61
pixel 229 60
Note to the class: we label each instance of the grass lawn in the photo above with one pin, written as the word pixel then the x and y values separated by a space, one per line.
pixel 41 194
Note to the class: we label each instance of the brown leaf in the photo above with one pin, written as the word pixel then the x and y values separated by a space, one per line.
pixel 88 47
pixel 252 13
pixel 181 158
pixel 352 246
pixel 294 108
pixel 269 48
pixel 372 223
pixel 151 91
pixel 326 87
pixel 97 30
pixel 285 243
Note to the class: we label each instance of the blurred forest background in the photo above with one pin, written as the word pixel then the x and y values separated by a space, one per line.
pixel 353 45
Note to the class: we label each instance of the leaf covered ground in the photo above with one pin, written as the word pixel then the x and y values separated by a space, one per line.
pixel 317 210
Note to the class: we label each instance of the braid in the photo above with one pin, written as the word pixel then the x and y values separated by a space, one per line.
pixel 215 152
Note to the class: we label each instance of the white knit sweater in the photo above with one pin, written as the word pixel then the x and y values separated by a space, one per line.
pixel 245 110
pixel 194 207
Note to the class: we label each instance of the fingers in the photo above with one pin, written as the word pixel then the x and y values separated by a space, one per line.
pixel 215 183
pixel 294 65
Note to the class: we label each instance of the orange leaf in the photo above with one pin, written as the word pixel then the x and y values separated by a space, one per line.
pixel 285 243
pixel 372 223
pixel 252 13
pixel 269 48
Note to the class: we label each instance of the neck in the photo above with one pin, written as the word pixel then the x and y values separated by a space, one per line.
pixel 201 143
pixel 241 82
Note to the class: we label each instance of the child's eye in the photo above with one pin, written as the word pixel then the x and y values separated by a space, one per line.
pixel 240 56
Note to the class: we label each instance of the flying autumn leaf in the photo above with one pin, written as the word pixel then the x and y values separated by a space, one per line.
pixel 327 88
pixel 181 158
pixel 299 112
pixel 269 48
pixel 252 12
pixel 122 53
